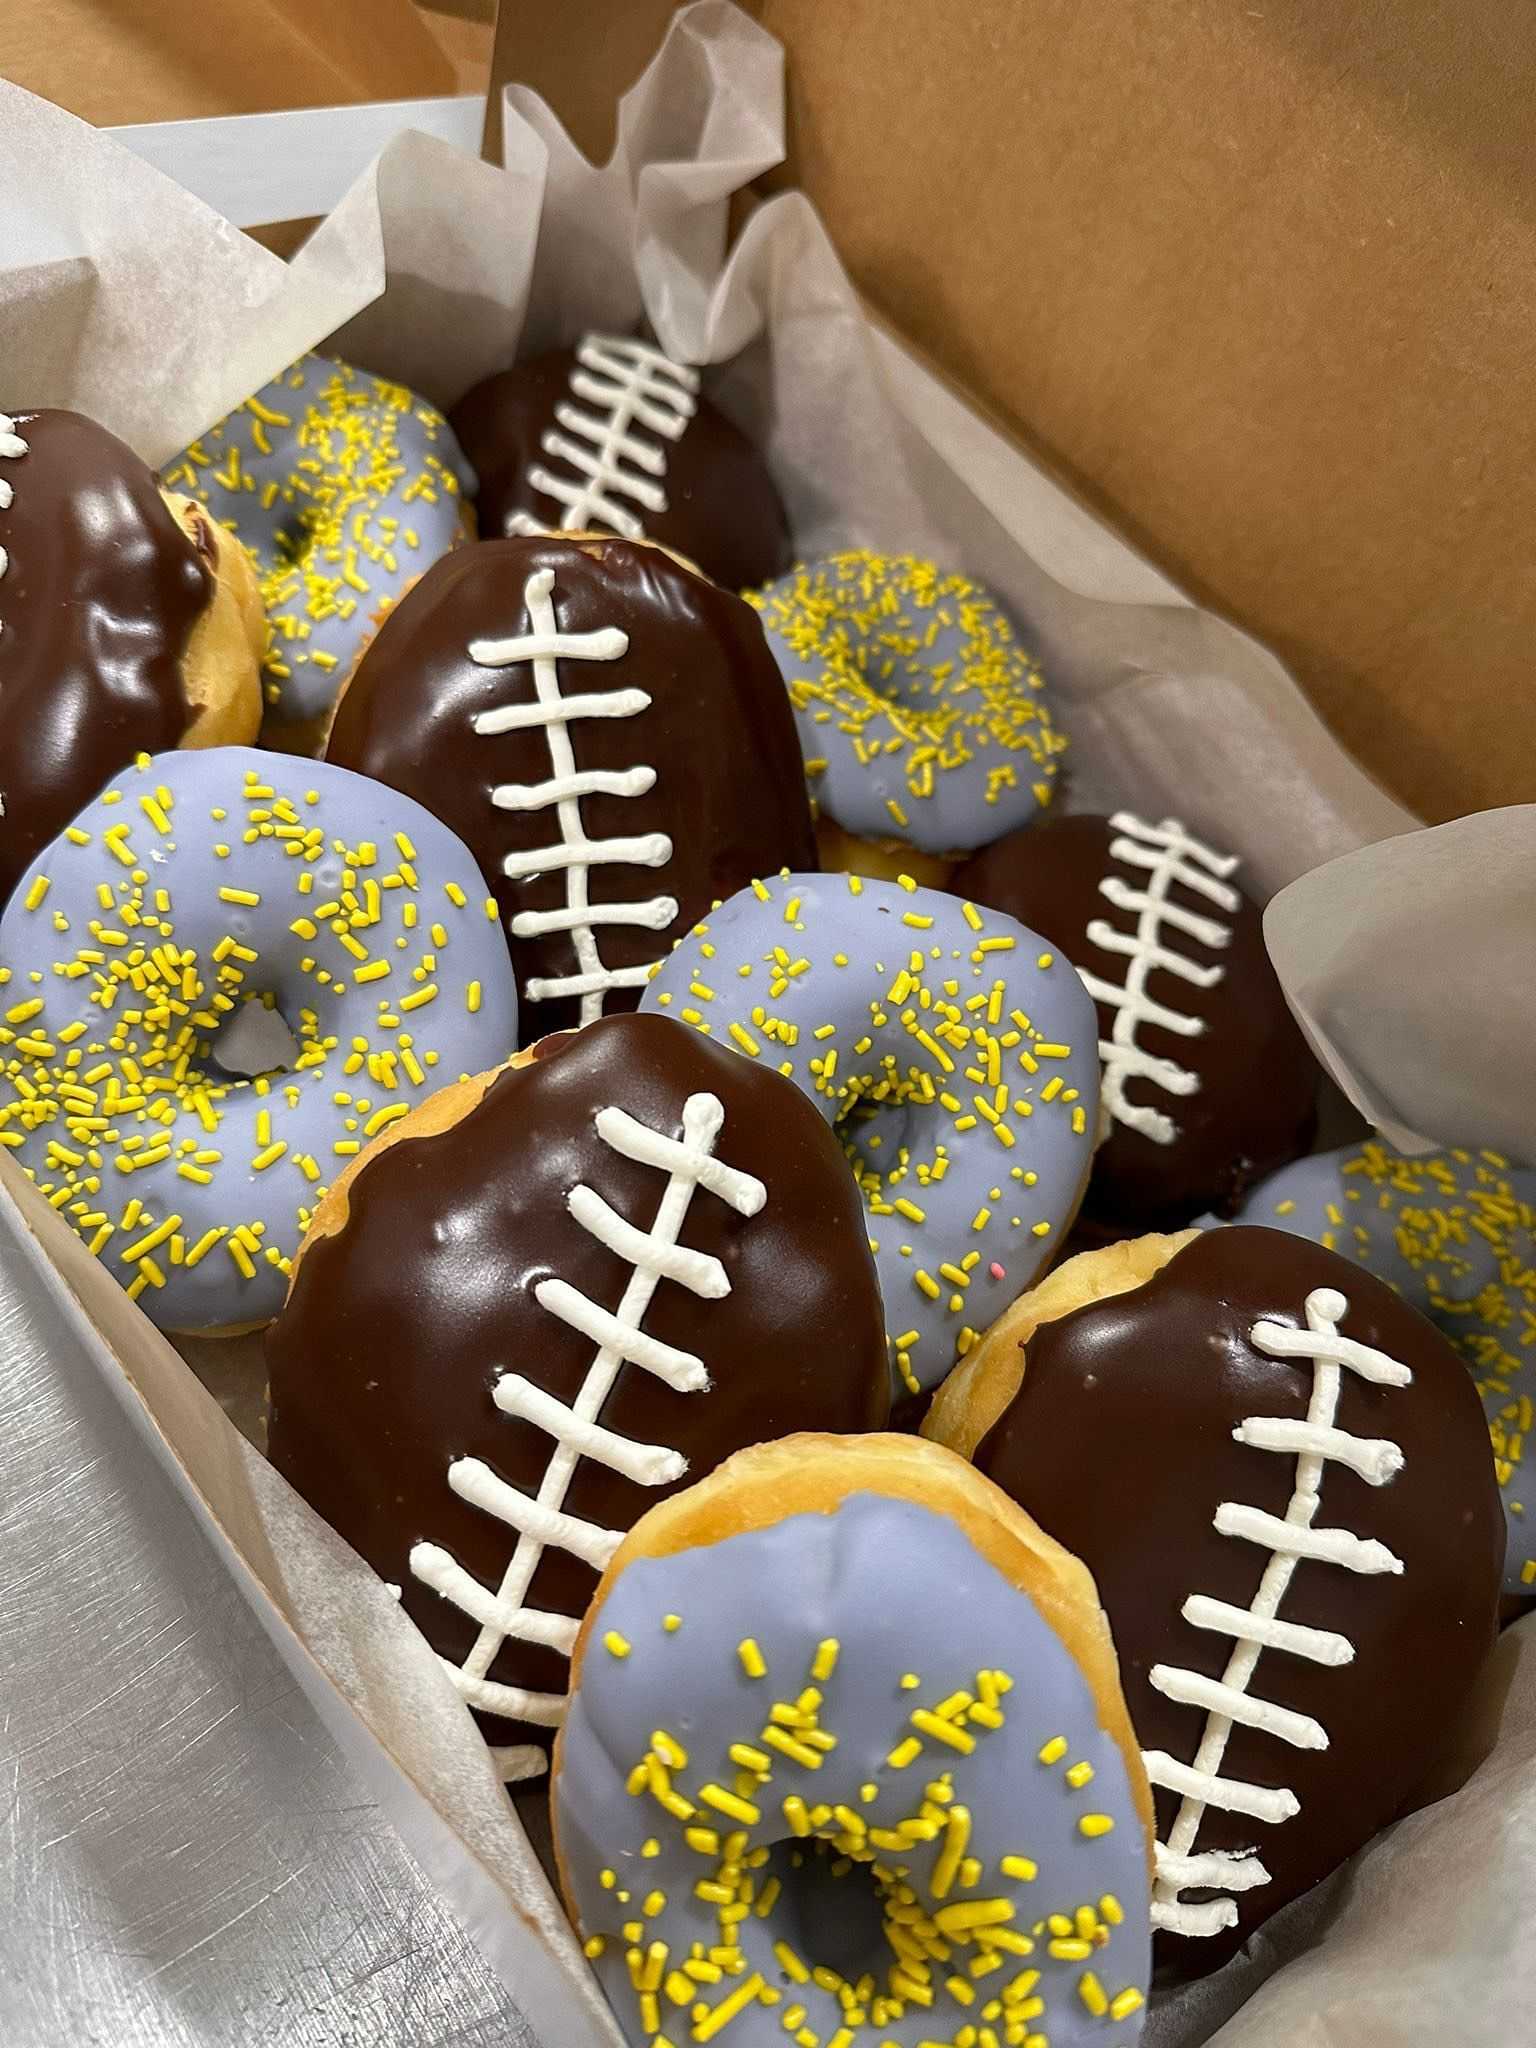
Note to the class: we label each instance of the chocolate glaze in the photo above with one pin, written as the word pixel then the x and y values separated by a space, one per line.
pixel 397 1329
pixel 1256 1107
pixel 1119 1442
pixel 100 593
pixel 723 511
pixel 729 788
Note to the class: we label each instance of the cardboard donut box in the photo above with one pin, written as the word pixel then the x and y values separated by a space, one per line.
pixel 1250 288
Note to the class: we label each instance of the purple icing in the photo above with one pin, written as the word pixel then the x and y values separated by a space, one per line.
pixel 389 986
pixel 900 1590
pixel 833 951
pixel 345 487
pixel 921 718
pixel 1455 1234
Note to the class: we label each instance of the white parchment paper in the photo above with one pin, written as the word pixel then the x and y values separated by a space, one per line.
pixel 123 296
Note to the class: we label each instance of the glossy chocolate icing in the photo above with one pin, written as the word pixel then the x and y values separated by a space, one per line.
pixel 1256 1105
pixel 722 511
pixel 397 1329
pixel 1120 1443
pixel 100 593
pixel 728 790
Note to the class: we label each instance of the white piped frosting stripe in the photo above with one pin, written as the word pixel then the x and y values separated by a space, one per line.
pixel 629 385
pixel 1168 854
pixel 1315 1442
pixel 541 1521
pixel 12 447
pixel 545 647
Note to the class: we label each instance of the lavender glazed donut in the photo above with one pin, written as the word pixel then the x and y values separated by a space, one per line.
pixel 344 486
pixel 849 1813
pixel 198 883
pixel 921 718
pixel 955 1053
pixel 1455 1234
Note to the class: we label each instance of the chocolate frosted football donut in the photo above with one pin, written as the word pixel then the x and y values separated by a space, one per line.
pixel 1208 1083
pixel 129 624
pixel 605 730
pixel 1455 1234
pixel 1278 1474
pixel 614 437
pixel 534 1307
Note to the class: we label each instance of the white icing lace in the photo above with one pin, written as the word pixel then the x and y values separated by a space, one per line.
pixel 1169 855
pixel 540 1521
pixel 11 446
pixel 1315 1442
pixel 545 647
pixel 630 386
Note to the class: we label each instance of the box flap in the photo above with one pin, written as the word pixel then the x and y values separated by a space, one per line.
pixel 1259 282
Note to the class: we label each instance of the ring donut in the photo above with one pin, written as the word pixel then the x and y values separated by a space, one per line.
pixel 201 882
pixel 956 1054
pixel 128 624
pixel 1455 1234
pixel 344 486
pixel 892 1798
pixel 921 719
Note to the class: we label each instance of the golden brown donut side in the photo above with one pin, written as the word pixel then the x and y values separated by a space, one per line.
pixel 981 1386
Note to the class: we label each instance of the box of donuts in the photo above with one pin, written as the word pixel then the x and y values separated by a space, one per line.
pixel 690 1050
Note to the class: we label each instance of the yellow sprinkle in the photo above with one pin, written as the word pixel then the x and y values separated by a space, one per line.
pixel 246 896
pixel 1079 1775
pixel 1023 1868
pixel 905 1752
pixel 419 998
pixel 374 971
pixel 722 2014
pixel 472 997
pixel 1095 1824
pixel 970 1914
pixel 752 1661
pixel 1093 1994
pixel 34 896
pixel 615 1644
pixel 791 1964
pixel 1124 2003
pixel 728 1803
pixel 269 1155
pixel 671 1623
pixel 1054 1750
pixel 824 1663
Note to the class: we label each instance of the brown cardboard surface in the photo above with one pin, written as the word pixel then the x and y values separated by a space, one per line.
pixel 1258 281
pixel 171 60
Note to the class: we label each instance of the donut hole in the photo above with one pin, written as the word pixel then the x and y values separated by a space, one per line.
pixel 255 1039
pixel 832 1908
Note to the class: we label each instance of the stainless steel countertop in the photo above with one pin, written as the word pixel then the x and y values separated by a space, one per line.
pixel 185 1858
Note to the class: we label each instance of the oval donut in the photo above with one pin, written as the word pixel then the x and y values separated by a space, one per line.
pixel 911 1815
pixel 344 486
pixel 921 718
pixel 198 883
pixel 129 623
pixel 955 1052
pixel 1454 1233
